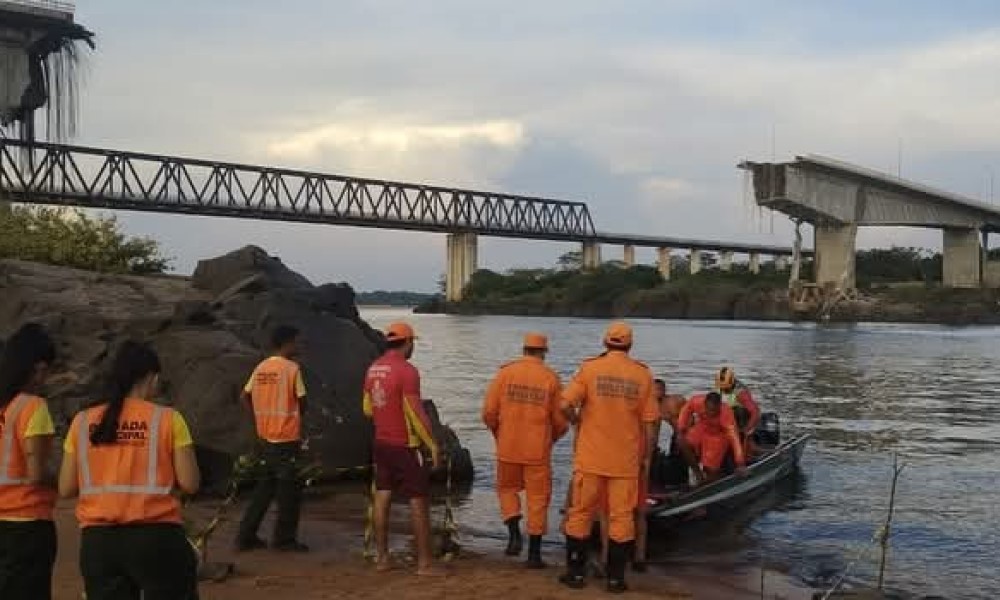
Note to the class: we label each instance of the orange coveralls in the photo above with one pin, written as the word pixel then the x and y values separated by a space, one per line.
pixel 522 410
pixel 616 398
pixel 711 438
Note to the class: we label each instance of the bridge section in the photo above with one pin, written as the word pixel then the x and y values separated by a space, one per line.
pixel 838 197
pixel 43 173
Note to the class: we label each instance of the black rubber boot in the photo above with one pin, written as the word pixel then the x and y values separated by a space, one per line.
pixel 576 564
pixel 535 553
pixel 514 540
pixel 617 557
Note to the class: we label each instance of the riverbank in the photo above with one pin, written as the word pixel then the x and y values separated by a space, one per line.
pixel 715 295
pixel 333 527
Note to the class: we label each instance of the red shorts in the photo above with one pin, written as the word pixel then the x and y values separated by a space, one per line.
pixel 398 469
pixel 710 446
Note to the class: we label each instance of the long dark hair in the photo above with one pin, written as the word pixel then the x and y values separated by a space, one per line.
pixel 24 351
pixel 134 362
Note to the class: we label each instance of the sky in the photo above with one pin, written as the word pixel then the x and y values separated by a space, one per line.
pixel 640 108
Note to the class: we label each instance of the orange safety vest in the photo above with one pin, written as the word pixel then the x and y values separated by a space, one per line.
pixel 275 407
pixel 130 480
pixel 19 498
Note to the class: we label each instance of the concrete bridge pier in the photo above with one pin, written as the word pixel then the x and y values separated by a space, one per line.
pixel 628 258
pixel 780 263
pixel 754 263
pixel 726 261
pixel 695 261
pixel 835 250
pixel 962 258
pixel 663 262
pixel 463 261
pixel 591 256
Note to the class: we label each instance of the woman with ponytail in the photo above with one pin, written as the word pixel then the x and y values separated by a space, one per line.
pixel 125 458
pixel 27 491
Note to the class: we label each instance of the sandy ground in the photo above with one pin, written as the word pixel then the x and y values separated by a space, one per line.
pixel 333 527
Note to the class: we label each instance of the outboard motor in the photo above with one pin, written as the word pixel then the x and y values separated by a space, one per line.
pixel 768 432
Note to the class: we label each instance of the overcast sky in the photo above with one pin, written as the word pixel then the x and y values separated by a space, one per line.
pixel 641 108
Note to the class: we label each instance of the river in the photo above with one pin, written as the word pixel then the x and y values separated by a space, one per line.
pixel 928 393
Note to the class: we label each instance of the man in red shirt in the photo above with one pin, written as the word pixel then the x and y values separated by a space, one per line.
pixel 392 400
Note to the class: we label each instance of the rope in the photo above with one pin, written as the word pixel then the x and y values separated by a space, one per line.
pixel 853 563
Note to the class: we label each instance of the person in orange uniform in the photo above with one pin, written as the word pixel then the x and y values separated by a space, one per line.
pixel 612 398
pixel 27 491
pixel 276 393
pixel 392 400
pixel 708 427
pixel 124 458
pixel 522 411
pixel 737 396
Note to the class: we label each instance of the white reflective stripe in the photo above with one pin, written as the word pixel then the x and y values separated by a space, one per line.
pixel 153 448
pixel 9 433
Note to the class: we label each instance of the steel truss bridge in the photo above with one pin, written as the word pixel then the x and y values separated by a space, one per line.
pixel 57 174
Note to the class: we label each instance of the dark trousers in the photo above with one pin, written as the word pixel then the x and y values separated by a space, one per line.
pixel 278 479
pixel 129 562
pixel 27 553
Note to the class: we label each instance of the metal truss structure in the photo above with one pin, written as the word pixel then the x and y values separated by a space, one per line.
pixel 42 173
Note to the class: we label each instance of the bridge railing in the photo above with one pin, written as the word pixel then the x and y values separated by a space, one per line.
pixel 44 173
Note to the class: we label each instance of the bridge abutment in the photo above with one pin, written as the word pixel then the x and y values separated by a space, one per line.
pixel 628 256
pixel 663 262
pixel 835 252
pixel 463 261
pixel 962 258
pixel 591 256
pixel 726 261
pixel 695 261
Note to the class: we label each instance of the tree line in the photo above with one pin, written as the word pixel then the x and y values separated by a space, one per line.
pixel 73 238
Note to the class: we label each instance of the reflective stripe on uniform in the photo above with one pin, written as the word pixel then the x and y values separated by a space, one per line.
pixel 9 434
pixel 86 486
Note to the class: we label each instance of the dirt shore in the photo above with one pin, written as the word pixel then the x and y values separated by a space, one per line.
pixel 333 526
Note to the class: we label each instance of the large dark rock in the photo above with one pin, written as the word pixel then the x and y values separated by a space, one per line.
pixel 209 331
pixel 218 274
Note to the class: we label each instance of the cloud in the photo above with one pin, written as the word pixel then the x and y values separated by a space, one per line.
pixel 630 109
pixel 466 154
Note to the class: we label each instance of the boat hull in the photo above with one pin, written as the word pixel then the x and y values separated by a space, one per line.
pixel 760 476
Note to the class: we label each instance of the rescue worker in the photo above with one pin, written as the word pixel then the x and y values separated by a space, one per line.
pixel 737 396
pixel 392 400
pixel 522 411
pixel 27 489
pixel 708 428
pixel 124 458
pixel 276 393
pixel 612 397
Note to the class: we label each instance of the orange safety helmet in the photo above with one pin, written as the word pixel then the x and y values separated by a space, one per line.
pixel 725 379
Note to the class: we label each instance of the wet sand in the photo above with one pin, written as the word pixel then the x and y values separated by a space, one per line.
pixel 333 527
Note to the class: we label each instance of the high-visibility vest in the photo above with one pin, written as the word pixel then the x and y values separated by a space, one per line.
pixel 275 407
pixel 732 397
pixel 129 481
pixel 19 498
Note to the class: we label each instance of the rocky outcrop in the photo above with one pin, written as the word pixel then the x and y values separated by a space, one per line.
pixel 210 331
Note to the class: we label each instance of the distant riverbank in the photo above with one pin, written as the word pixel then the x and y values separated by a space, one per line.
pixel 713 295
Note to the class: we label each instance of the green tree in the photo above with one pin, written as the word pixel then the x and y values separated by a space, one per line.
pixel 71 238
pixel 571 261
